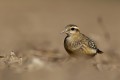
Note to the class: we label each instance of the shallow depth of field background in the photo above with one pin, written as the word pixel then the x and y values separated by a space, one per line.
pixel 31 28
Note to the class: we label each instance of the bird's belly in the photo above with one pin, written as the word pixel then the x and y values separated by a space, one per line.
pixel 81 51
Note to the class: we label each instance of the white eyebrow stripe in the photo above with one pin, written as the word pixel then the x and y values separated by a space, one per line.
pixel 75 27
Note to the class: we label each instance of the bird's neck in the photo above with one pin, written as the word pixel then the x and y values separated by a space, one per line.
pixel 74 37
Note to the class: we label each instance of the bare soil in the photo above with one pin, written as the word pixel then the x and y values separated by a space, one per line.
pixel 31 46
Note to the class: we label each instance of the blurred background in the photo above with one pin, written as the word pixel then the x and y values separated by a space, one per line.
pixel 31 28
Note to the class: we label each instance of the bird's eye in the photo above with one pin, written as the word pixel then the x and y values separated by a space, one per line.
pixel 72 29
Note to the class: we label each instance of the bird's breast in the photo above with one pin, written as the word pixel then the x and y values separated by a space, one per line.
pixel 72 44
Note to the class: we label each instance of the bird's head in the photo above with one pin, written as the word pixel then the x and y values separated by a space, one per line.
pixel 71 29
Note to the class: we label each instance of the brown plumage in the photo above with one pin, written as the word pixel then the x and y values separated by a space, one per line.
pixel 77 44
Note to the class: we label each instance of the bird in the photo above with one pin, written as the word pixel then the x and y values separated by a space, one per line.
pixel 77 44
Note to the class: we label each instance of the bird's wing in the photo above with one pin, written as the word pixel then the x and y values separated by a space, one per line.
pixel 89 42
pixel 92 44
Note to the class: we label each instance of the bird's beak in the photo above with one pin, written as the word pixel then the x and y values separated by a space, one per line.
pixel 64 31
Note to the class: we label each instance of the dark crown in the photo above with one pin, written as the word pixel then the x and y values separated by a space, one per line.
pixel 70 25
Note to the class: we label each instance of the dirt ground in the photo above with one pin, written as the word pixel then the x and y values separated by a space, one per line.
pixel 31 46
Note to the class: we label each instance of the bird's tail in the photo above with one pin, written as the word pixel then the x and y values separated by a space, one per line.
pixel 99 51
